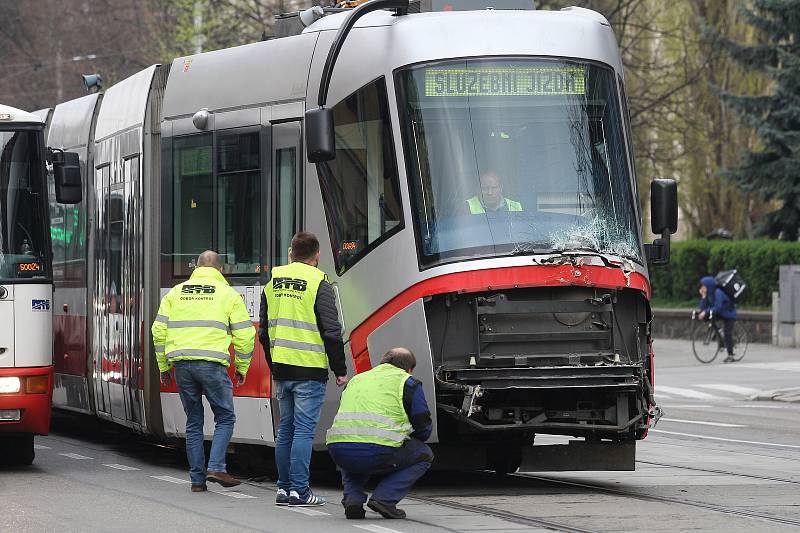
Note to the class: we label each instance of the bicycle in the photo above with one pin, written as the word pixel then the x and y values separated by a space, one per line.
pixel 708 342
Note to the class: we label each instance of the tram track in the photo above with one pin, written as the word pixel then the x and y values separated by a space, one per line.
pixel 667 499
pixel 721 472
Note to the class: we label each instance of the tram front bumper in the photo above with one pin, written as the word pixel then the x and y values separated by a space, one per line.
pixel 26 406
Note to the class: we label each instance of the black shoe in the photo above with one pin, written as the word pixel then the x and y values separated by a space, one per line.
pixel 354 512
pixel 386 510
pixel 729 359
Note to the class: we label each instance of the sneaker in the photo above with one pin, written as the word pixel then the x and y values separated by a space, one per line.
pixel 223 478
pixel 281 498
pixel 729 359
pixel 199 487
pixel 386 510
pixel 309 501
pixel 354 512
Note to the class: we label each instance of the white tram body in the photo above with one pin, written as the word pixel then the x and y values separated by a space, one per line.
pixel 26 357
pixel 531 322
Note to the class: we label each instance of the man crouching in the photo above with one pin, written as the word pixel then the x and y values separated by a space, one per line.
pixel 380 430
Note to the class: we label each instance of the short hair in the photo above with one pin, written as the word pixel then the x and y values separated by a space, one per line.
pixel 305 246
pixel 210 258
pixel 401 358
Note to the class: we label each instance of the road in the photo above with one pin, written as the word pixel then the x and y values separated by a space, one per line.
pixel 716 461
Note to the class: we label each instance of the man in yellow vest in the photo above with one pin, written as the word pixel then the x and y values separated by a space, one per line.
pixel 491 199
pixel 192 332
pixel 380 430
pixel 302 337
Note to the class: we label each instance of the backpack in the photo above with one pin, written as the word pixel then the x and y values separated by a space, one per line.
pixel 731 283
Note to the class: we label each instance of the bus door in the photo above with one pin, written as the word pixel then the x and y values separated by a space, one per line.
pixel 286 201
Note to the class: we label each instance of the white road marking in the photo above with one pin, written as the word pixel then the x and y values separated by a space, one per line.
pixel 378 529
pixel 122 467
pixel 75 456
pixel 171 479
pixel 40 447
pixel 304 510
pixel 738 389
pixel 791 366
pixel 662 396
pixel 763 406
pixel 717 424
pixel 231 493
pixel 688 393
pixel 690 406
pixel 776 444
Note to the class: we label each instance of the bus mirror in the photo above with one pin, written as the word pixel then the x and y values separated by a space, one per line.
pixel 320 143
pixel 664 206
pixel 67 175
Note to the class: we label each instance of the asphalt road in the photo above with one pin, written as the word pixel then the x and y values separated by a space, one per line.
pixel 717 461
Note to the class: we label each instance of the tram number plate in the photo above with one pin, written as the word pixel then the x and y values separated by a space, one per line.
pixel 522 81
pixel 29 269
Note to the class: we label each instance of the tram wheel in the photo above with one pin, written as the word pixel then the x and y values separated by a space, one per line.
pixel 18 449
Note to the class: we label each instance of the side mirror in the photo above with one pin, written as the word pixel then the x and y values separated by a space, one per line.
pixel 67 175
pixel 663 219
pixel 320 142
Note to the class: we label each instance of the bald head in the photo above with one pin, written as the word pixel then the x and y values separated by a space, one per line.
pixel 401 358
pixel 210 258
pixel 491 190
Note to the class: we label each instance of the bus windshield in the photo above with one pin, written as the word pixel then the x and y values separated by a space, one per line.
pixel 23 219
pixel 516 156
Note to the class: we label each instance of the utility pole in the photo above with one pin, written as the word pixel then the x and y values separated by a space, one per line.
pixel 198 27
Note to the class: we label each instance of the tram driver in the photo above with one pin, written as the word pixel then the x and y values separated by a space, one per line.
pixel 490 200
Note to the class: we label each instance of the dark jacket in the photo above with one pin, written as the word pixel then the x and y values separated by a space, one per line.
pixel 716 301
pixel 329 328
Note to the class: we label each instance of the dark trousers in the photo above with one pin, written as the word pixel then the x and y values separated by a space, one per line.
pixel 727 332
pixel 399 468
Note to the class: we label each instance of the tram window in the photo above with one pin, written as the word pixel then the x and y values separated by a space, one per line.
pixel 238 199
pixel 286 165
pixel 361 189
pixel 192 201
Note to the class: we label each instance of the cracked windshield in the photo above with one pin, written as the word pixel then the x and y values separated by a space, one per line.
pixel 516 156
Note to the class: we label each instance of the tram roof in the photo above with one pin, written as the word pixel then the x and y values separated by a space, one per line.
pixel 278 69
pixel 17 115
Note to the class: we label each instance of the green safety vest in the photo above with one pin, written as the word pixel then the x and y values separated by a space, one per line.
pixel 199 318
pixel 372 409
pixel 476 207
pixel 292 323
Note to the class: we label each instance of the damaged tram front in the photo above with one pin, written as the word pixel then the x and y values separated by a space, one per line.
pixel 529 272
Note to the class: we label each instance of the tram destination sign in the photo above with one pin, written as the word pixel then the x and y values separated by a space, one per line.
pixel 505 81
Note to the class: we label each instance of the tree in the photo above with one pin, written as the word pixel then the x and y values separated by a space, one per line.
pixel 774 169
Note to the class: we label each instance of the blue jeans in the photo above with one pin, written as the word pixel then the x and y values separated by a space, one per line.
pixel 399 467
pixel 195 378
pixel 300 403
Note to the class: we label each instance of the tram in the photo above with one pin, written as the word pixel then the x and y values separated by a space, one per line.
pixel 26 350
pixel 386 130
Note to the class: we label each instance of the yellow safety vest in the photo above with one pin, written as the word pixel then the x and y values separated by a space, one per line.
pixel 294 337
pixel 476 207
pixel 371 410
pixel 198 319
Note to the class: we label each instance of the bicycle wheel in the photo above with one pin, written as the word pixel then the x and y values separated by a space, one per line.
pixel 740 341
pixel 705 343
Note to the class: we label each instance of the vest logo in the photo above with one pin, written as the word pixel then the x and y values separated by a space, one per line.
pixel 198 289
pixel 291 284
pixel 40 305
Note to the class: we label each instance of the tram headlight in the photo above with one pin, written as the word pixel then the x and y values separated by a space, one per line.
pixel 9 385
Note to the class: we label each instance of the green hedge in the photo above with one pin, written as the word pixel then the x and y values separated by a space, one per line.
pixel 757 262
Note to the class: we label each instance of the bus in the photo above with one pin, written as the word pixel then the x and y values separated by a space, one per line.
pixel 26 282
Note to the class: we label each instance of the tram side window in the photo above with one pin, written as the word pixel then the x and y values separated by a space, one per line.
pixel 238 198
pixel 193 201
pixel 360 187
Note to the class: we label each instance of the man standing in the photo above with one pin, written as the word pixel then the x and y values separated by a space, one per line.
pixel 192 332
pixel 491 199
pixel 301 335
pixel 381 429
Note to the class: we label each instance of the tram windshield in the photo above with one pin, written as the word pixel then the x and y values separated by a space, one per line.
pixel 516 156
pixel 23 242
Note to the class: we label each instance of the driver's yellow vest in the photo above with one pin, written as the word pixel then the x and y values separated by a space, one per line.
pixel 371 410
pixel 476 207
pixel 294 336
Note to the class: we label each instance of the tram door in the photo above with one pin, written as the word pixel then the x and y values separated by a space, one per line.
pixel 286 202
pixel 131 292
pixel 100 352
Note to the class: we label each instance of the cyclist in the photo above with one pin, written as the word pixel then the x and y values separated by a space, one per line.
pixel 716 305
